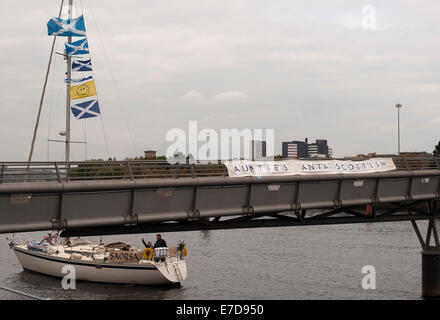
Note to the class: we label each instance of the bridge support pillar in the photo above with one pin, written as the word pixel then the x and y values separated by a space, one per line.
pixel 431 272
pixel 430 254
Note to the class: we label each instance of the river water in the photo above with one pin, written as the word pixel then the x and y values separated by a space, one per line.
pixel 312 262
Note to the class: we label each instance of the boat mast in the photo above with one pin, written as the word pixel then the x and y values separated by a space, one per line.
pixel 69 76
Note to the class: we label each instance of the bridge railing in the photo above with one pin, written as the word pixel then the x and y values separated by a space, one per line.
pixel 413 163
pixel 11 172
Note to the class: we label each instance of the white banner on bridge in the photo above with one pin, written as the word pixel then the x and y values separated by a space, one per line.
pixel 243 168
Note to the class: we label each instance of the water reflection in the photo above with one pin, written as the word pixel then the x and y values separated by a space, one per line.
pixel 206 234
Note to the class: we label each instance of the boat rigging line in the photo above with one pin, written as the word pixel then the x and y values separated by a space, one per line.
pixel 23 293
pixel 121 104
pixel 44 91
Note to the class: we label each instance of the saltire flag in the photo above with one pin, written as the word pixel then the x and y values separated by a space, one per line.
pixel 77 47
pixel 66 27
pixel 83 90
pixel 77 80
pixel 86 109
pixel 82 65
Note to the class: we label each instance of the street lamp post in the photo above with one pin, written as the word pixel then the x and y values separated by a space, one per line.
pixel 398 106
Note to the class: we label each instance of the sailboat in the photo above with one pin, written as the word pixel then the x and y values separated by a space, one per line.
pixel 109 263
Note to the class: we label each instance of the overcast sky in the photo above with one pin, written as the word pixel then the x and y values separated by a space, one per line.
pixel 304 68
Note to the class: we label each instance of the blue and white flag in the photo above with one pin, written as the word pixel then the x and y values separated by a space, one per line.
pixel 87 109
pixel 77 47
pixel 77 80
pixel 82 65
pixel 66 27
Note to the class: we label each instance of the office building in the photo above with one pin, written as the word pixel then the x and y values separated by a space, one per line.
pixel 150 154
pixel 304 149
pixel 258 149
pixel 294 149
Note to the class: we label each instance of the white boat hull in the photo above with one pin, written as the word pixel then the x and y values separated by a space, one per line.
pixel 151 273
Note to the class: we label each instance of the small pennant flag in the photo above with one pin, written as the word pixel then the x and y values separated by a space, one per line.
pixel 66 27
pixel 82 65
pixel 77 47
pixel 83 90
pixel 87 109
pixel 78 80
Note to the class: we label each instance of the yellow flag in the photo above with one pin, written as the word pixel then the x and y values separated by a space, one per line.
pixel 83 90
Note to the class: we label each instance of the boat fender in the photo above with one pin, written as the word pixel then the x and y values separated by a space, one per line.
pixel 76 256
pixel 99 257
pixel 148 254
pixel 84 258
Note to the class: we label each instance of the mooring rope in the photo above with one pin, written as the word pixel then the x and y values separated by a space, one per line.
pixel 23 294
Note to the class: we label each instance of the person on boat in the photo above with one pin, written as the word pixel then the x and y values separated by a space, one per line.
pixel 66 242
pixel 147 245
pixel 47 239
pixel 160 242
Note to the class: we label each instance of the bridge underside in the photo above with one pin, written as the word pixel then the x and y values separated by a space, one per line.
pixel 405 211
pixel 209 203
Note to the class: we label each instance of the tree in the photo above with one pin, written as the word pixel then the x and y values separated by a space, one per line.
pixel 436 152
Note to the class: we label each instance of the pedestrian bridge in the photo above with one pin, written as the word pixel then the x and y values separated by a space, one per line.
pixel 116 197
